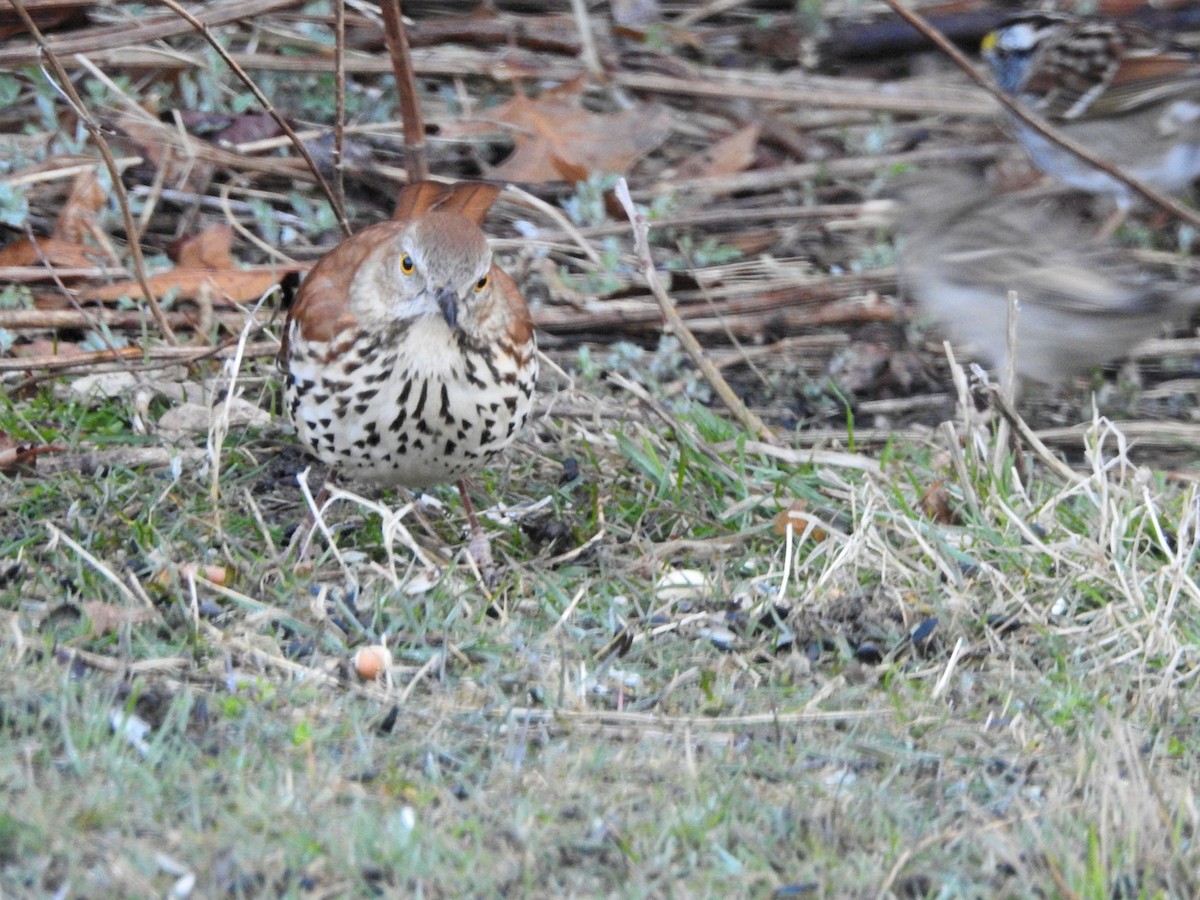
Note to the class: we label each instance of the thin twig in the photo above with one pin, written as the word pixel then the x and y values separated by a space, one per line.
pixel 1008 384
pixel 25 274
pixel 833 459
pixel 406 85
pixel 139 34
pixel 641 234
pixel 587 43
pixel 68 89
pixel 57 536
pixel 559 219
pixel 713 8
pixel 168 356
pixel 643 396
pixel 1040 125
pixel 726 86
pixel 267 105
pixel 339 92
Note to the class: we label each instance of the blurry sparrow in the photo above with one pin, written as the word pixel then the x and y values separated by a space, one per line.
pixel 1131 99
pixel 1081 304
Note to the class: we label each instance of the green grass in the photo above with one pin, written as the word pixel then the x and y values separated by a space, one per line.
pixel 515 751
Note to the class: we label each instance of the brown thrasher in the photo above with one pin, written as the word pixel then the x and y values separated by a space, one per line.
pixel 409 355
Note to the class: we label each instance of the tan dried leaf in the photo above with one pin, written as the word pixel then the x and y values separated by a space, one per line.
pixel 106 617
pixel 232 285
pixel 212 248
pixel 43 250
pixel 799 520
pixel 727 156
pixel 938 504
pixel 557 139
pixel 78 216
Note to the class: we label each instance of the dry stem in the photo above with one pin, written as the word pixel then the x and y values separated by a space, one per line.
pixel 641 232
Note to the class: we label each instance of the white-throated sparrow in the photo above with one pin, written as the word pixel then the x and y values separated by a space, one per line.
pixel 1119 91
pixel 1081 304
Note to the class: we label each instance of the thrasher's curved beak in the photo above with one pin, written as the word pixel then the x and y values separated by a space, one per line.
pixel 447 301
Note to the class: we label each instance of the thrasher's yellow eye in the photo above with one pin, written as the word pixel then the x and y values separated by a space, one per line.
pixel 481 283
pixel 407 265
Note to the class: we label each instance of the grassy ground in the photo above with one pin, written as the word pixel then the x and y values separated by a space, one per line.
pixel 955 669
pixel 991 699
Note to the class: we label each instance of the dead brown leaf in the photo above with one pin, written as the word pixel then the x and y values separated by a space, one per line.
pixel 20 459
pixel 726 157
pixel 65 248
pixel 230 130
pixel 48 15
pixel 190 571
pixel 78 216
pixel 45 347
pixel 230 285
pixel 106 617
pixel 558 139
pixel 938 504
pixel 796 517
pixel 206 263
pixel 212 248
pixel 46 250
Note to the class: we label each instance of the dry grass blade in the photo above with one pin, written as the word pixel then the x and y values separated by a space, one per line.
pixel 641 231
pixel 1026 434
